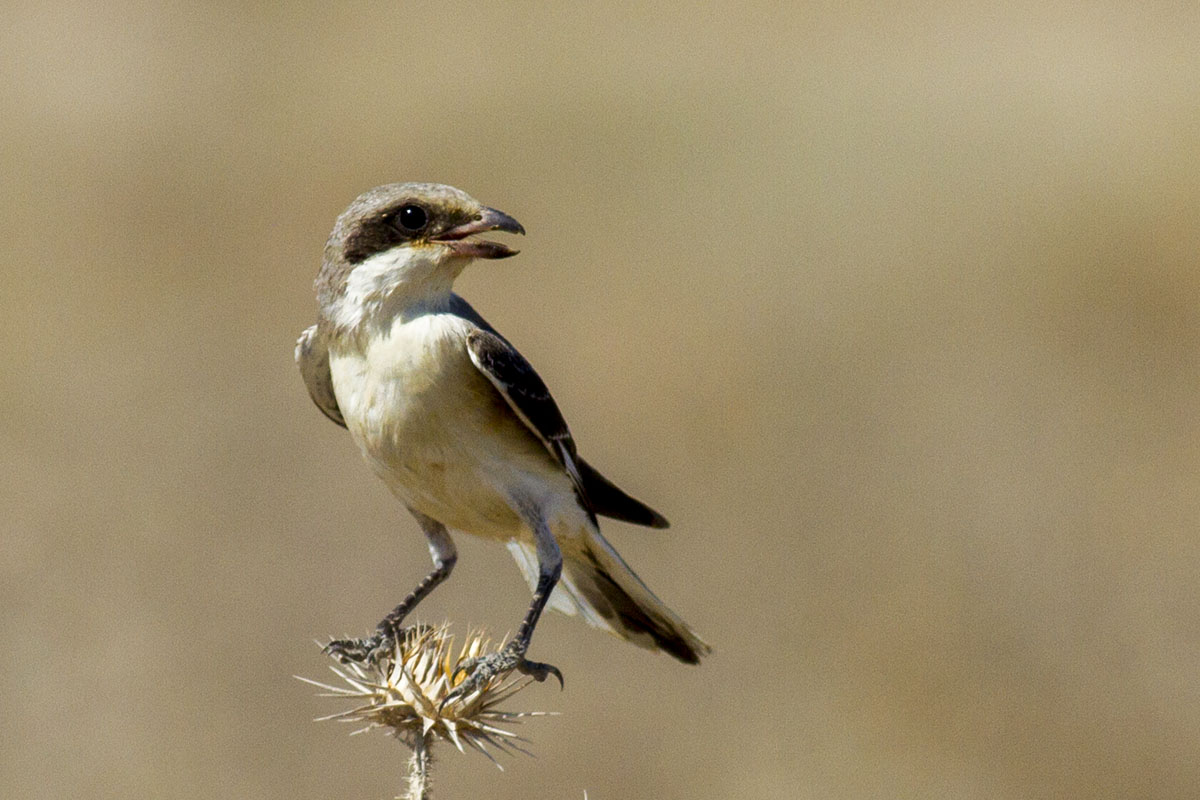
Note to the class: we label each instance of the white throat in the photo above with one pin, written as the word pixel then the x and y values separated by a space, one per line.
pixel 396 282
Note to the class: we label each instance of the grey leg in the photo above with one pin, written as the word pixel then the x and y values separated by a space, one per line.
pixel 482 669
pixel 549 570
pixel 444 555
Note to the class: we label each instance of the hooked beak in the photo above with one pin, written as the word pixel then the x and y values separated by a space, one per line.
pixel 489 219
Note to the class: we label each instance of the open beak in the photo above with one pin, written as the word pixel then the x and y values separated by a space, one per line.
pixel 489 219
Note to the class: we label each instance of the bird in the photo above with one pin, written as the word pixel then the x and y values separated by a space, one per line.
pixel 462 430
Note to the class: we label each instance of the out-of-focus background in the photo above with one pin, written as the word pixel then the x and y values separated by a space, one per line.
pixel 894 311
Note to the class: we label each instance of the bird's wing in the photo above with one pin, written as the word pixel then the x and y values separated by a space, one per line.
pixel 312 356
pixel 609 501
pixel 528 397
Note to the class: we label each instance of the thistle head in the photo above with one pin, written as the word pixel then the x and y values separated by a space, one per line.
pixel 405 694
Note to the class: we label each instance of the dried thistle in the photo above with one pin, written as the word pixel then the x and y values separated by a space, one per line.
pixel 404 695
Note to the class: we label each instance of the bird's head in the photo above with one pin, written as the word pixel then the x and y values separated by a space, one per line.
pixel 404 242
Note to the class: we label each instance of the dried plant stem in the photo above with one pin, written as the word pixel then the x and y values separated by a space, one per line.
pixel 418 769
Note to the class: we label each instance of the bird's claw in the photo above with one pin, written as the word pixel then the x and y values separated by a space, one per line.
pixel 539 671
pixel 480 670
pixel 373 650
pixel 370 650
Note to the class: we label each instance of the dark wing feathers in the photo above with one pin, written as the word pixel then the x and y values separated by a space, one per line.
pixel 530 400
pixel 527 396
pixel 524 390
pixel 609 501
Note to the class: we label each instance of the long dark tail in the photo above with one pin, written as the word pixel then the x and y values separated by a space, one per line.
pixel 599 586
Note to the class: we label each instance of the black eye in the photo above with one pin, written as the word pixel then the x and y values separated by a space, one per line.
pixel 411 218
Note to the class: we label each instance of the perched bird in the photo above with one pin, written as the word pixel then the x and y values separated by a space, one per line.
pixel 459 426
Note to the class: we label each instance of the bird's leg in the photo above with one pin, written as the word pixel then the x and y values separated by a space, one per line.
pixel 482 669
pixel 380 644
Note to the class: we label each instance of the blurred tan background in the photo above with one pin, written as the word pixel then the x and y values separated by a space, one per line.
pixel 893 311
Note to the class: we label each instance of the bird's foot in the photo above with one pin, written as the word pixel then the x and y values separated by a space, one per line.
pixel 369 650
pixel 481 670
pixel 372 650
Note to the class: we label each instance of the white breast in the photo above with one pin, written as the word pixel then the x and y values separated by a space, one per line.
pixel 436 431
